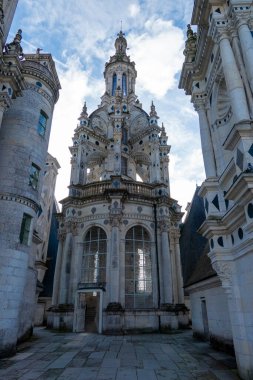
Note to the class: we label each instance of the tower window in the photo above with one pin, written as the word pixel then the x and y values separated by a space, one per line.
pixel 25 229
pixel 114 84
pixel 42 123
pixel 124 85
pixel 123 165
pixel 34 176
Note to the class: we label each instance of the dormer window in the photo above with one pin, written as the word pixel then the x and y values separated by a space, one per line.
pixel 124 85
pixel 114 84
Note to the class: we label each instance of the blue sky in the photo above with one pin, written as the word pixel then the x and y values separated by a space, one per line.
pixel 80 35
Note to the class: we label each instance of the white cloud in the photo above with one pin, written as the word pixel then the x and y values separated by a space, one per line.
pixel 158 54
pixel 134 9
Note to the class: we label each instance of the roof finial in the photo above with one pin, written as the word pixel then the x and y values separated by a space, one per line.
pixel 14 46
pixel 84 113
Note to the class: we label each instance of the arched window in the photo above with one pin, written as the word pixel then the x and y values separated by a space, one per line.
pixel 138 269
pixel 124 84
pixel 114 84
pixel 94 257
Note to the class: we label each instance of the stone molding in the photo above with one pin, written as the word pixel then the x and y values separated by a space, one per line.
pixel 43 93
pixel 20 199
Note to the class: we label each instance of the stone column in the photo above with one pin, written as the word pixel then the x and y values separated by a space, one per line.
pixel 179 270
pixel 173 268
pixel 165 169
pixel 166 265
pixel 114 272
pixel 206 141
pixel 247 47
pixel 241 66
pixel 76 266
pixel 155 162
pixel 63 281
pixel 57 272
pixel 233 80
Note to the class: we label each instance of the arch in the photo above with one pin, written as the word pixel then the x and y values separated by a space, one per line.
pixel 138 268
pixel 114 84
pixel 93 269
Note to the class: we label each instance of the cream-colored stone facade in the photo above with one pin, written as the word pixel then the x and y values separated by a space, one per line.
pixel 218 73
pixel 118 263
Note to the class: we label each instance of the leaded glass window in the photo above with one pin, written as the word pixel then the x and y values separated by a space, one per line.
pixel 114 84
pixel 124 84
pixel 138 269
pixel 34 176
pixel 42 124
pixel 123 165
pixel 25 229
pixel 94 257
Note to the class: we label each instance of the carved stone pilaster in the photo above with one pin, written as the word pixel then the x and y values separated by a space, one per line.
pixel 61 236
pixel 164 225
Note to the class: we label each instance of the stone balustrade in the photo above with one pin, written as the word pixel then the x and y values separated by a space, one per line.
pixel 105 187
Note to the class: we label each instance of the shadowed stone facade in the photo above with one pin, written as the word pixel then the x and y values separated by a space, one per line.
pixel 118 264
pixel 218 74
pixel 29 88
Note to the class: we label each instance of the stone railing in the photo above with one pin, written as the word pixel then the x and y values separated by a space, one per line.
pixel 117 184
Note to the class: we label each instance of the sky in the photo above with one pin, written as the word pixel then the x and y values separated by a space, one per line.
pixel 80 35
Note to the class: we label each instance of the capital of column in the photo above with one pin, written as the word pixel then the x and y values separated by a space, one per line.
pixel 241 17
pixel 224 270
pixel 61 235
pixel 164 225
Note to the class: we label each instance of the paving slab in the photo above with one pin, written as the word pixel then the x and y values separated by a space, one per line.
pixel 88 356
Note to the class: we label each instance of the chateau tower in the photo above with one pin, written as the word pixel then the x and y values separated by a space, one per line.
pixel 29 88
pixel 118 262
pixel 218 74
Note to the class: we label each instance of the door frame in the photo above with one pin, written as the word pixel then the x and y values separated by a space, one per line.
pixel 100 317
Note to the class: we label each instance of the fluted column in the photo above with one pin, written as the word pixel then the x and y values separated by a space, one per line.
pixel 233 80
pixel 247 47
pixel 166 265
pixel 57 272
pixel 206 141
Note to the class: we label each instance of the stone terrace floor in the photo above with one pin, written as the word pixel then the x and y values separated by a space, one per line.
pixel 85 356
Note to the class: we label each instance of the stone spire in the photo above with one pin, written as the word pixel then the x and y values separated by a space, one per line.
pixel 152 110
pixel 83 118
pixel 153 117
pixel 14 47
pixel 84 113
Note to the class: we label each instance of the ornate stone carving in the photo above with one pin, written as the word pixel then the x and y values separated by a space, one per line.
pixel 224 270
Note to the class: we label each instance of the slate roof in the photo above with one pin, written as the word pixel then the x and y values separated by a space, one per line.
pixel 192 244
pixel 203 269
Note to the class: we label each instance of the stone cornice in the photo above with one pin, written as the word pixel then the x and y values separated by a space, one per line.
pixel 20 199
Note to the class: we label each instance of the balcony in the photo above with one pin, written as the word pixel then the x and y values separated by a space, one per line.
pixel 118 185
